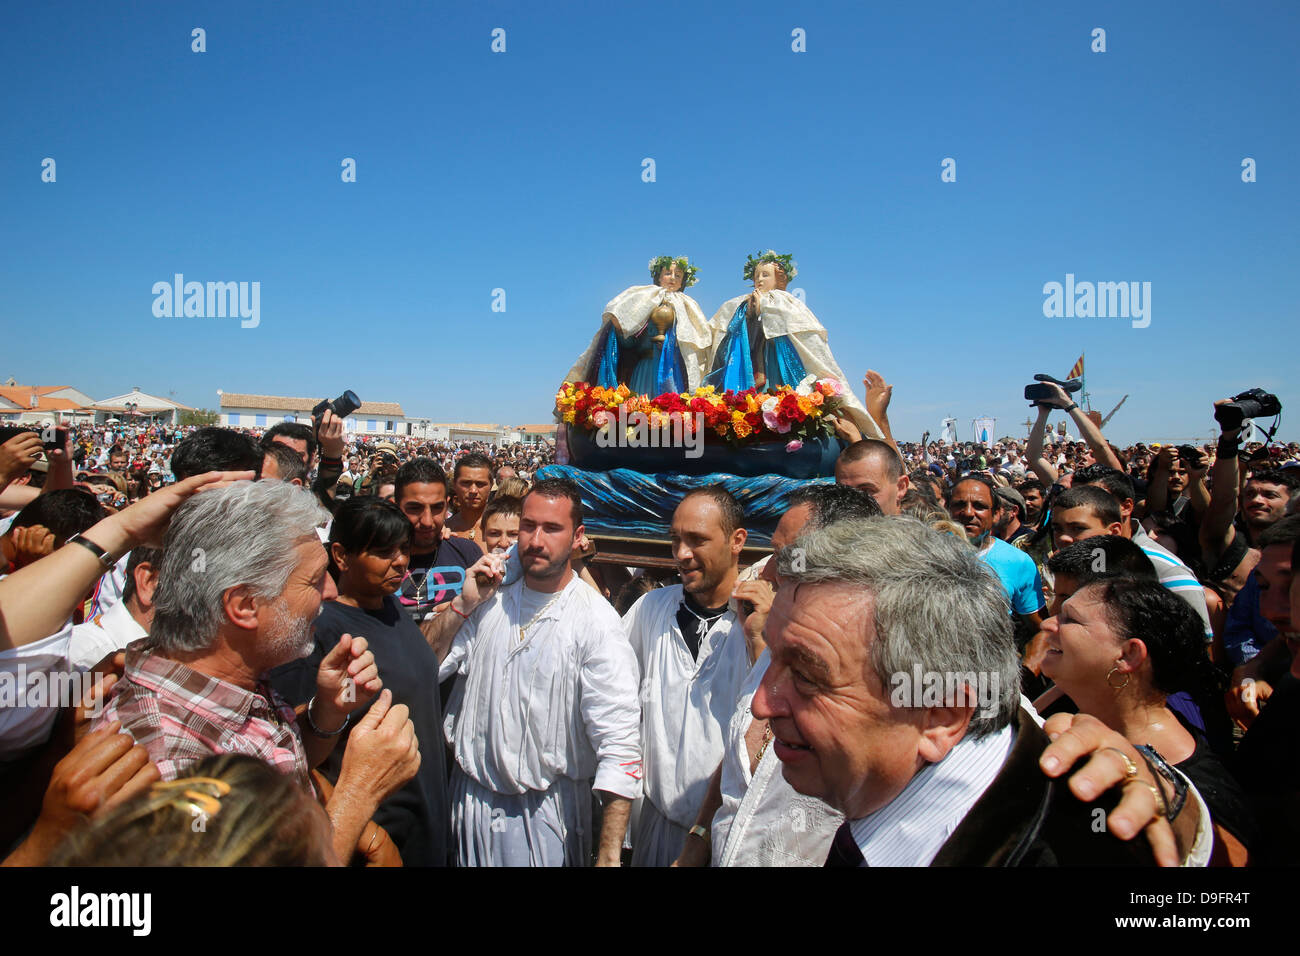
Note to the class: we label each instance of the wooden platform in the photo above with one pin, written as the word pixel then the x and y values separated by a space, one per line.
pixel 653 552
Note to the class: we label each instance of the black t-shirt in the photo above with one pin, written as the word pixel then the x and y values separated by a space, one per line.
pixel 692 627
pixel 417 816
pixel 425 585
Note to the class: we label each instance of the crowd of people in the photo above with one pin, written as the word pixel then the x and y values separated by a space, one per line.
pixel 296 647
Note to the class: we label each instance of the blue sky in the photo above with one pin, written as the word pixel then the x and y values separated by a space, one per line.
pixel 522 171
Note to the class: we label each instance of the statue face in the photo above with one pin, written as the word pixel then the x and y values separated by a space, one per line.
pixel 671 278
pixel 767 277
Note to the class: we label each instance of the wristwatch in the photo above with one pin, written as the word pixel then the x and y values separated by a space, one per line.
pixel 701 832
pixel 107 560
pixel 1160 767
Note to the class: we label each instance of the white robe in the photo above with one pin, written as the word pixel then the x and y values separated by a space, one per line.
pixel 686 704
pixel 630 311
pixel 763 821
pixel 539 724
pixel 784 314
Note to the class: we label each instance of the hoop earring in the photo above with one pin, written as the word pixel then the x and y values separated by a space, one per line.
pixel 1116 686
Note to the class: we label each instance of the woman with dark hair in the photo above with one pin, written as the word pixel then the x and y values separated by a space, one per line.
pixel 1119 647
pixel 370 550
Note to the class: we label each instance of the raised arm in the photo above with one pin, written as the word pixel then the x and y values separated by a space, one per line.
pixel 481 582
pixel 37 599
pixel 1101 452
pixel 1034 450
pixel 1216 527
pixel 878 395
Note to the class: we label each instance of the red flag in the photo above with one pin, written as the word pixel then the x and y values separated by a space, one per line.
pixel 1077 369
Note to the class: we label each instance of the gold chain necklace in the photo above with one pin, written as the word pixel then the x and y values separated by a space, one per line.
pixel 542 610
pixel 767 739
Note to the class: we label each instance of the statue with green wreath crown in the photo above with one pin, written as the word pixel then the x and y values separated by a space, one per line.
pixel 768 338
pixel 652 338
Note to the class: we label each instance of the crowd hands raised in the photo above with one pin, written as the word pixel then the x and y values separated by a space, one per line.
pixel 349 665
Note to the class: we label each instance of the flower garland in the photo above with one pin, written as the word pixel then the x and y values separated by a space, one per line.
pixel 784 262
pixel 740 418
pixel 690 273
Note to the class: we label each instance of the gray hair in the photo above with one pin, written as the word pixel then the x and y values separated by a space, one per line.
pixel 241 534
pixel 937 605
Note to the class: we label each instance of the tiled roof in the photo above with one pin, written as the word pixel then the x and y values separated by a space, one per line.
pixel 282 404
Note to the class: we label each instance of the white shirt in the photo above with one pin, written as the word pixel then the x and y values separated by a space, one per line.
pixel 686 702
pixel 763 821
pixel 26 718
pixel 102 635
pixel 560 703
pixel 912 828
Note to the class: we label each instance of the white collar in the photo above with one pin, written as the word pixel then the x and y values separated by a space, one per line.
pixel 912 828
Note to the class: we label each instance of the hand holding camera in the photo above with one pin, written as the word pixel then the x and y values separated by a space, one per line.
pixel 1232 413
pixel 1051 392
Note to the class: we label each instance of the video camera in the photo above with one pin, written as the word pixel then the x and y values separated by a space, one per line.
pixel 1041 392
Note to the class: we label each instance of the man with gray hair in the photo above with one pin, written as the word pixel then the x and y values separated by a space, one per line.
pixel 894 696
pixel 241 579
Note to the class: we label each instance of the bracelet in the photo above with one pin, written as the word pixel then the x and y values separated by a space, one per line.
pixel 105 559
pixel 701 832
pixel 1159 767
pixel 1071 407
pixel 316 730
pixel 330 461
pixel 1228 447
pixel 452 605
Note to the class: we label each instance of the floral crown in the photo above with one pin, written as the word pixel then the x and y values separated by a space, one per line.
pixel 689 272
pixel 786 262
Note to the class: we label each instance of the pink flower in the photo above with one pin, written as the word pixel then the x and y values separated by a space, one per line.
pixel 834 385
pixel 794 445
pixel 600 419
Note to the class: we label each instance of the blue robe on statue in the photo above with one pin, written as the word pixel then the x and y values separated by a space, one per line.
pixel 733 364
pixel 650 368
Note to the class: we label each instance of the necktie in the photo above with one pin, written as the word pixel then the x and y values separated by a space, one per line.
pixel 844 849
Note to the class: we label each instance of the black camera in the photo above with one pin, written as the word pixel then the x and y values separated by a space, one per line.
pixel 342 407
pixel 1252 403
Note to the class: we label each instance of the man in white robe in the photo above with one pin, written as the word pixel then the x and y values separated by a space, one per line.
pixel 548 710
pixel 694 657
pixel 750 815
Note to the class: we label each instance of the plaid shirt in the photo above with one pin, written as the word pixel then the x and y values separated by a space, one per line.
pixel 182 716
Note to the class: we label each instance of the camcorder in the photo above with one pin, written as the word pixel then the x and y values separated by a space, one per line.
pixel 342 407
pixel 1042 392
pixel 1252 403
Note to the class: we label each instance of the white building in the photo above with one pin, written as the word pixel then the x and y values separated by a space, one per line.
pixel 263 411
pixel 139 408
